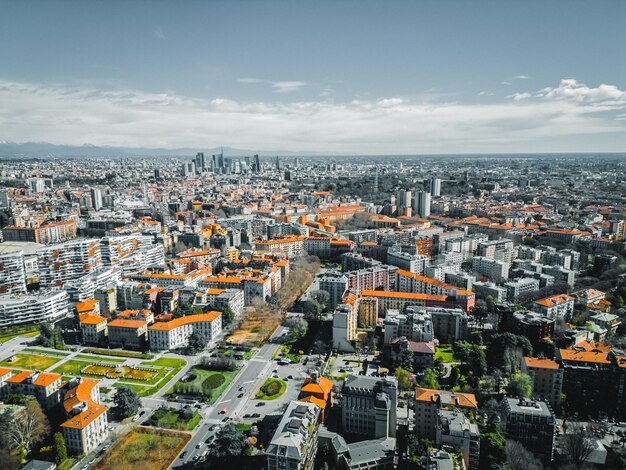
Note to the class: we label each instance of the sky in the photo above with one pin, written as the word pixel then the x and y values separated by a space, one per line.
pixel 343 77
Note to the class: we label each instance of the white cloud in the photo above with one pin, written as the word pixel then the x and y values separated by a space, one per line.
pixel 521 77
pixel 545 121
pixel 486 93
pixel 284 86
pixel 571 89
pixel 519 96
pixel 505 83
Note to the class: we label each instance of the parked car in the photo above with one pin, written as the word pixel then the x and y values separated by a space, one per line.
pixel 256 415
pixel 198 445
pixel 182 456
pixel 261 403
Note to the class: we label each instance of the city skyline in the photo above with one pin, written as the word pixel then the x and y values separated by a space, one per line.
pixel 419 78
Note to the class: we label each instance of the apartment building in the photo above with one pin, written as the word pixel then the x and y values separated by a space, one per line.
pixel 86 425
pixel 368 312
pixel 53 232
pixel 12 272
pixel 493 269
pixel 414 325
pixel 220 299
pixel 44 386
pixel 369 406
pixel 416 283
pixel 401 300
pixel 294 443
pixel 547 377
pixel 128 333
pixel 429 402
pixel 67 261
pixel 175 333
pixel 532 423
pixel 45 305
pixel 336 284
pixel 517 288
pixel 454 429
pixel 556 306
pixel 93 327
pixel 412 263
pixel 289 246
pixel 449 324
pixel 344 327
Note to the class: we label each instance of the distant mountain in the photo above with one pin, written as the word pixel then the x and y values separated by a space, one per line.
pixel 42 149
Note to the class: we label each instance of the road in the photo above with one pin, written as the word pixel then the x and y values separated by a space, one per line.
pixel 249 379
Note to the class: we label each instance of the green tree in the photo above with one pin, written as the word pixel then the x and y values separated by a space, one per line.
pixel 430 380
pixel 47 334
pixel 492 453
pixel 196 343
pixel 405 359
pixel 60 449
pixel 126 401
pixel 405 378
pixel 229 442
pixel 227 316
pixel 520 385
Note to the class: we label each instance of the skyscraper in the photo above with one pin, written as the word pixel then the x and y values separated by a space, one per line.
pixel 279 165
pixel 403 199
pixel 256 166
pixel 96 198
pixel 421 204
pixel 435 187
pixel 200 162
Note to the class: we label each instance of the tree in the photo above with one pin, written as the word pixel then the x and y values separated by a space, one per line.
pixel 577 445
pixel 518 458
pixel 229 442
pixel 498 345
pixel 8 461
pixel 492 452
pixel 227 316
pixel 520 385
pixel 405 359
pixel 321 297
pixel 59 447
pixel 430 380
pixel 196 343
pixel 405 378
pixel 126 401
pixel 29 427
pixel 47 334
pixel 453 379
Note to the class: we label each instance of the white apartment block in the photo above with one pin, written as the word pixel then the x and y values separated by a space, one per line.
pixel 175 334
pixel 12 272
pixel 43 306
pixel 556 306
pixel 64 262
pixel 494 270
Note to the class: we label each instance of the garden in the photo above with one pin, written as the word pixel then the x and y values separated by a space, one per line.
pixel 30 361
pixel 116 371
pixel 182 420
pixel 271 389
pixel 202 382
pixel 145 448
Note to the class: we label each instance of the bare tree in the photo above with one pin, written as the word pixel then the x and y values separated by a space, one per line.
pixel 577 445
pixel 512 359
pixel 519 458
pixel 29 427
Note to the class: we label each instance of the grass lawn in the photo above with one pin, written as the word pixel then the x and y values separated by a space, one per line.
pixel 271 389
pixel 72 367
pixel 11 332
pixel 51 352
pixel 31 361
pixel 113 352
pixel 142 390
pixel 444 351
pixel 208 383
pixel 144 448
pixel 172 419
pixel 243 427
pixel 108 360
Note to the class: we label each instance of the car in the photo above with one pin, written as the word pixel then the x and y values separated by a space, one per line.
pixel 196 457
pixel 226 418
pixel 247 415
pixel 290 377
pixel 256 415
pixel 142 412
pixel 198 445
pixel 240 395
pixel 136 417
pixel 261 403
pixel 224 411
pixel 241 389
pixel 182 456
pixel 209 439
pixel 215 427
pixel 275 371
pixel 198 405
pixel 92 461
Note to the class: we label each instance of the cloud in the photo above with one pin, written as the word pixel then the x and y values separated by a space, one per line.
pixel 519 96
pixel 158 32
pixel 486 93
pixel 505 83
pixel 286 87
pixel 521 77
pixel 571 89
pixel 278 87
pixel 544 121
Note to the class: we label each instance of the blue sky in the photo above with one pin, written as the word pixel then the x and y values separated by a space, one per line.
pixel 343 77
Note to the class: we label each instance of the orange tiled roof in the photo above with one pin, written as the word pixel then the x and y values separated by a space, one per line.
pixel 312 399
pixel 541 363
pixel 120 323
pixel 465 400
pixel 170 325
pixel 324 386
pixel 88 319
pixel 584 356
pixel 554 300
pixel 4 371
pixel 86 305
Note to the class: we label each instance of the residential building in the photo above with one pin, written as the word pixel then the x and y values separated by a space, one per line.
pixel 454 429
pixel 557 306
pixel 517 288
pixel 294 443
pixel 344 328
pixel 547 377
pixel 493 269
pixel 93 327
pixel 44 386
pixel 415 325
pixel 175 333
pixel 369 406
pixel 128 333
pixel 336 284
pixel 86 426
pixel 46 305
pixel 607 321
pixel 401 300
pixel 12 272
pixel 428 402
pixel 368 312
pixel 532 423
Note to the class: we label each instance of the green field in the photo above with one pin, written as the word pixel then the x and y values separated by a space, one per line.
pixel 173 419
pixel 116 353
pixel 72 367
pixel 207 383
pixel 444 351
pixel 11 332
pixel 51 352
pixel 271 389
pixel 31 361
